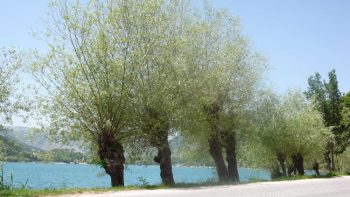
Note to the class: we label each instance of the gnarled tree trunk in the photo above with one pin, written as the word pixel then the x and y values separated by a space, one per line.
pixel 231 157
pixel 164 160
pixel 111 154
pixel 215 147
pixel 281 157
pixel 298 164
pixel 157 126
pixel 328 160
pixel 215 151
pixel 316 167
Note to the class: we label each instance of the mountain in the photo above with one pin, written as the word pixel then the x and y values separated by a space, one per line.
pixel 12 150
pixel 19 144
pixel 23 144
pixel 37 140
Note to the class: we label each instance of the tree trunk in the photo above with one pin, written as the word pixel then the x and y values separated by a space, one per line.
pixel 215 147
pixel 332 157
pixel 164 160
pixel 316 167
pixel 328 160
pixel 111 154
pixel 281 157
pixel 298 163
pixel 231 157
pixel 300 167
pixel 292 169
pixel 216 152
pixel 157 126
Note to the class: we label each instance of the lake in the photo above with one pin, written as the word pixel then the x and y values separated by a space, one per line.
pixel 53 175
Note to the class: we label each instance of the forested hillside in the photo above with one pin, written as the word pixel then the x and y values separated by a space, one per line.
pixel 14 148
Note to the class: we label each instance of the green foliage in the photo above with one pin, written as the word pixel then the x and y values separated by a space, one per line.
pixel 317 92
pixel 343 161
pixel 289 125
pixel 141 69
pixel 222 75
pixel 343 132
pixel 88 71
pixel 333 119
pixel 332 105
pixel 11 150
pixel 345 103
pixel 9 66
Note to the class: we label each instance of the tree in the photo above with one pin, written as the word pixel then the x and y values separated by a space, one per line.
pixel 317 91
pixel 333 94
pixel 343 131
pixel 337 108
pixel 345 109
pixel 328 97
pixel 157 90
pixel 89 73
pixel 270 127
pixel 290 127
pixel 222 75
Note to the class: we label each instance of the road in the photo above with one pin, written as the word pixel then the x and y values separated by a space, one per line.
pixel 334 187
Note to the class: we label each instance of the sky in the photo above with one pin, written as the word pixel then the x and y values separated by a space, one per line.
pixel 298 37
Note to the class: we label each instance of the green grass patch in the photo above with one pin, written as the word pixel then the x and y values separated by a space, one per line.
pixel 52 192
pixel 298 177
pixel 25 192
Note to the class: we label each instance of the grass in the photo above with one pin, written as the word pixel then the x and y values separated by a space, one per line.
pixel 298 177
pixel 53 192
pixel 24 192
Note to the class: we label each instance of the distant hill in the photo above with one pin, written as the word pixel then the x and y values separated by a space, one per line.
pixel 37 140
pixel 19 144
pixel 22 144
pixel 12 150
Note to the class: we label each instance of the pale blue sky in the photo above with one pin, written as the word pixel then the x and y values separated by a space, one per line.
pixel 299 37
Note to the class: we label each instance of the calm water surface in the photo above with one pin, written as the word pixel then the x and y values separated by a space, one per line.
pixel 51 175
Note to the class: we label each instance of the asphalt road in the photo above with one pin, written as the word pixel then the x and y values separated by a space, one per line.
pixel 334 187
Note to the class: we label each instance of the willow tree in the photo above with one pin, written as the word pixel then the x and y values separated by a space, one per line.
pixel 270 128
pixel 158 83
pixel 290 128
pixel 222 74
pixel 89 73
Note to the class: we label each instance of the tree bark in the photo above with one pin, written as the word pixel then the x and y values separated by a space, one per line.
pixel 328 160
pixel 231 157
pixel 298 163
pixel 111 154
pixel 164 160
pixel 332 157
pixel 291 170
pixel 300 167
pixel 216 152
pixel 281 157
pixel 215 147
pixel 316 167
pixel 157 127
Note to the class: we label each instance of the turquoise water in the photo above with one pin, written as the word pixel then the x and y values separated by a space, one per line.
pixel 50 175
